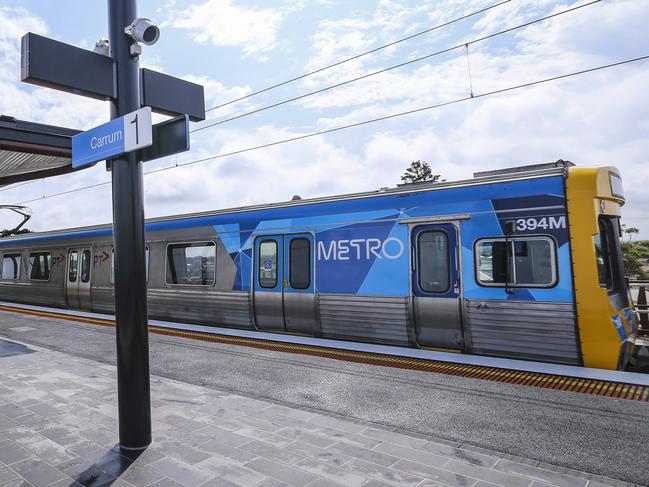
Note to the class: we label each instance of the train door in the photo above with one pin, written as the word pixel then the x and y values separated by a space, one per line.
pixel 284 291
pixel 435 286
pixel 78 278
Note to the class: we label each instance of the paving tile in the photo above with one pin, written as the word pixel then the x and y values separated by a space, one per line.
pixel 410 454
pixel 49 451
pixel 44 410
pixel 272 438
pixel 316 439
pixel 331 472
pixel 21 482
pixel 37 472
pixel 99 435
pixel 240 455
pixel 266 450
pixel 232 473
pixel 300 414
pixel 393 437
pixel 284 473
pixel 351 438
pixel 181 472
pixel 481 473
pixel 365 454
pixel 328 456
pixel 542 475
pixel 13 411
pixel 436 475
pixel 382 474
pixel 23 436
pixel 6 423
pixel 6 474
pixel 184 453
pixel 272 483
pixel 10 452
pixel 223 436
pixel 31 420
pixel 378 483
pixel 336 423
pixel 165 482
pixel 460 454
pixel 324 483
pixel 69 482
pixel 140 476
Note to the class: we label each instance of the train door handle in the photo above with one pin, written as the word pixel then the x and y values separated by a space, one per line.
pixel 284 283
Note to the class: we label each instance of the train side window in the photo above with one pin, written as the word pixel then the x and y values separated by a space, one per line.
pixel 299 271
pixel 191 264
pixel 433 262
pixel 268 264
pixel 112 264
pixel 11 267
pixel 73 266
pixel 39 266
pixel 517 262
pixel 608 254
pixel 86 260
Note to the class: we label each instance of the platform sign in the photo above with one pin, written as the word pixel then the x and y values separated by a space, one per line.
pixel 119 136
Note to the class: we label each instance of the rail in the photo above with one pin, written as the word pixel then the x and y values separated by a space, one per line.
pixel 641 308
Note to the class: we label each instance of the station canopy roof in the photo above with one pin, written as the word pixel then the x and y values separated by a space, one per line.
pixel 31 150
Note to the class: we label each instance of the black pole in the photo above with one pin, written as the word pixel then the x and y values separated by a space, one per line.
pixel 129 241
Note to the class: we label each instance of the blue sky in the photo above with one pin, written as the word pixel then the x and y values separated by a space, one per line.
pixel 234 47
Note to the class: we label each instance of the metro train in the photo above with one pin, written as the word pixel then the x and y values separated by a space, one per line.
pixel 520 263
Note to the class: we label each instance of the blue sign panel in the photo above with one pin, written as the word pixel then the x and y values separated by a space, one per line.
pixel 98 144
pixel 123 134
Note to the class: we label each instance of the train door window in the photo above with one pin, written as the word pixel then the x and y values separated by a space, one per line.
pixel 299 263
pixel 39 266
pixel 86 262
pixel 11 267
pixel 602 260
pixel 191 264
pixel 112 264
pixel 268 264
pixel 433 262
pixel 73 266
pixel 520 261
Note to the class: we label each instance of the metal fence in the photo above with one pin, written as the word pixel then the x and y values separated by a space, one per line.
pixel 639 290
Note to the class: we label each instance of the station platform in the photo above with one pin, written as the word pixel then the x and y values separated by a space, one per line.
pixel 58 427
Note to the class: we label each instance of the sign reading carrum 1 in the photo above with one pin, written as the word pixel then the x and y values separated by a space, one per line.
pixel 119 136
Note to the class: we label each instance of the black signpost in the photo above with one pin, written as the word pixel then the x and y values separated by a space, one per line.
pixel 119 79
pixel 129 242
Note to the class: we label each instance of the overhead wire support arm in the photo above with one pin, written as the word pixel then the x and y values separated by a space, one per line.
pixel 357 56
pixel 23 211
pixel 400 65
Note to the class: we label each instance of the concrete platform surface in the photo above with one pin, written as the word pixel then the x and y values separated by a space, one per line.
pixel 58 427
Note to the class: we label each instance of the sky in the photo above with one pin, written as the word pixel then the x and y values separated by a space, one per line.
pixel 236 47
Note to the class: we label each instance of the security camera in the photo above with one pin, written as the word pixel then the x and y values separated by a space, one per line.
pixel 144 31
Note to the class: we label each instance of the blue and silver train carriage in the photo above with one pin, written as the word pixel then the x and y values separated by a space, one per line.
pixel 522 263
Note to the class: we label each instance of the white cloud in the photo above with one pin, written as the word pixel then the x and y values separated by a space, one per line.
pixel 223 23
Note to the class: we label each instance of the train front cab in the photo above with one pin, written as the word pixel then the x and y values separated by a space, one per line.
pixel 604 314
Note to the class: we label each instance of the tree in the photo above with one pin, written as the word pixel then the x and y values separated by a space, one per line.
pixel 631 231
pixel 419 172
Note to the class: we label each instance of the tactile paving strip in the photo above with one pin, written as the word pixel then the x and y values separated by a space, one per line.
pixel 534 379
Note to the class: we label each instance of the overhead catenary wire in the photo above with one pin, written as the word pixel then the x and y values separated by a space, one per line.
pixel 17 185
pixel 357 56
pixel 463 45
pixel 365 122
